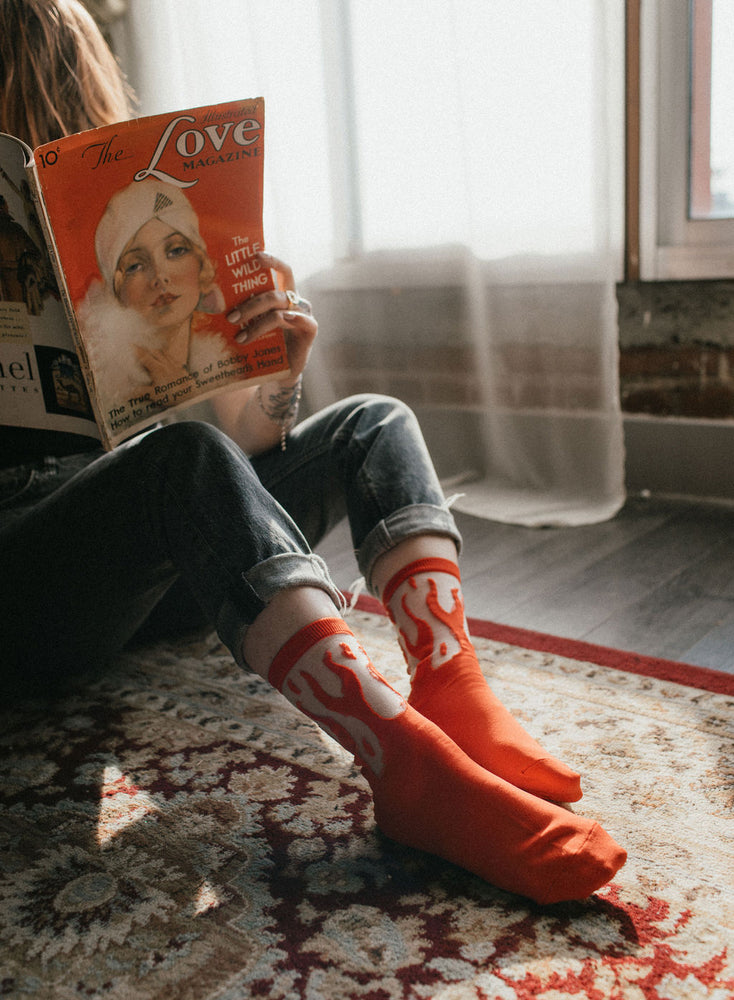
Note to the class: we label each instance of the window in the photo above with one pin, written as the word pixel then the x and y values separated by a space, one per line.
pixel 686 191
pixel 712 111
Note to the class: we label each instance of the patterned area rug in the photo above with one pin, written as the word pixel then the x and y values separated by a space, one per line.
pixel 176 830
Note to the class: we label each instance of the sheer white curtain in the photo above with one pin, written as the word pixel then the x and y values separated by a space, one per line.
pixel 446 178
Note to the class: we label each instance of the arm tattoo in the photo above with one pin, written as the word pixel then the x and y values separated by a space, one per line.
pixel 281 406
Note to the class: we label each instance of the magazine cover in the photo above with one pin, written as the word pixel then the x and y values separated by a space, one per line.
pixel 156 223
pixel 41 383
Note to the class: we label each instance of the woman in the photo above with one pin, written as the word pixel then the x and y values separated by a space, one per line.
pixel 158 284
pixel 233 517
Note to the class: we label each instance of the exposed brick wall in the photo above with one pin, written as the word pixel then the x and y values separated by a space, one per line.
pixel 687 381
pixel 677 348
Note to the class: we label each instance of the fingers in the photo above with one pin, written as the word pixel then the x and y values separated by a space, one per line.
pixel 284 297
pixel 297 303
pixel 265 312
pixel 265 302
pixel 300 332
pixel 259 305
pixel 283 269
pixel 300 324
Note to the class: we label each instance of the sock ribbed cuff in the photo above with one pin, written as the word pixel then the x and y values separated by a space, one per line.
pixel 433 565
pixel 300 643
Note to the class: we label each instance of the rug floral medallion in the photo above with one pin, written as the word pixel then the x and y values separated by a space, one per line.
pixel 174 829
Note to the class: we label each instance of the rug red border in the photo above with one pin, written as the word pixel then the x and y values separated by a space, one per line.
pixel 576 649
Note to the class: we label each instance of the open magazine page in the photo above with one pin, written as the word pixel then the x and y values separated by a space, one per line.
pixel 41 384
pixel 156 223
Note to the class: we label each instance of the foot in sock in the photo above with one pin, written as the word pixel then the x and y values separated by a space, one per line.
pixel 425 604
pixel 428 793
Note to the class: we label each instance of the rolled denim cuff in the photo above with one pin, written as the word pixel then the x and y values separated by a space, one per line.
pixel 417 519
pixel 260 585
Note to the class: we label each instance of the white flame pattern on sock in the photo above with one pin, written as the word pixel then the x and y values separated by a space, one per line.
pixel 333 675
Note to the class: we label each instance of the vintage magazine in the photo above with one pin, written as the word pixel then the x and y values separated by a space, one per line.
pixel 152 226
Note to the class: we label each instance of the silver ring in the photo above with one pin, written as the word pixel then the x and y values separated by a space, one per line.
pixel 297 302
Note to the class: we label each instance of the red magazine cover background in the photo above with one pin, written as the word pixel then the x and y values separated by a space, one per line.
pixel 79 174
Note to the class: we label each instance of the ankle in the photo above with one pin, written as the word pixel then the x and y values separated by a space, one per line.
pixel 288 612
pixel 416 568
pixel 407 552
pixel 425 604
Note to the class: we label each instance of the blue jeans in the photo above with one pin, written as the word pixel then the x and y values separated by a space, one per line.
pixel 89 546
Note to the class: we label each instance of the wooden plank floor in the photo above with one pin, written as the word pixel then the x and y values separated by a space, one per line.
pixel 657 579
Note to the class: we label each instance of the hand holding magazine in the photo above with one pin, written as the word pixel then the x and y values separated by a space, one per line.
pixel 122 251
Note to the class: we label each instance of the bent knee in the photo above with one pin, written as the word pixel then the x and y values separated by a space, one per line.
pixel 193 449
pixel 379 409
pixel 186 437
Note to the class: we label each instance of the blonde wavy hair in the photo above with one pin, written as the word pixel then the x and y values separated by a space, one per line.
pixel 57 74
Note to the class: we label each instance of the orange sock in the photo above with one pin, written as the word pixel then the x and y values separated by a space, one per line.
pixel 428 793
pixel 447 685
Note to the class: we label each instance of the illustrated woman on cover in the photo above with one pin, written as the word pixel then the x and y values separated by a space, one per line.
pixel 145 320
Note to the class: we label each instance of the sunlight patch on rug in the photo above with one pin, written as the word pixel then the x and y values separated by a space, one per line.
pixel 121 803
pixel 206 898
